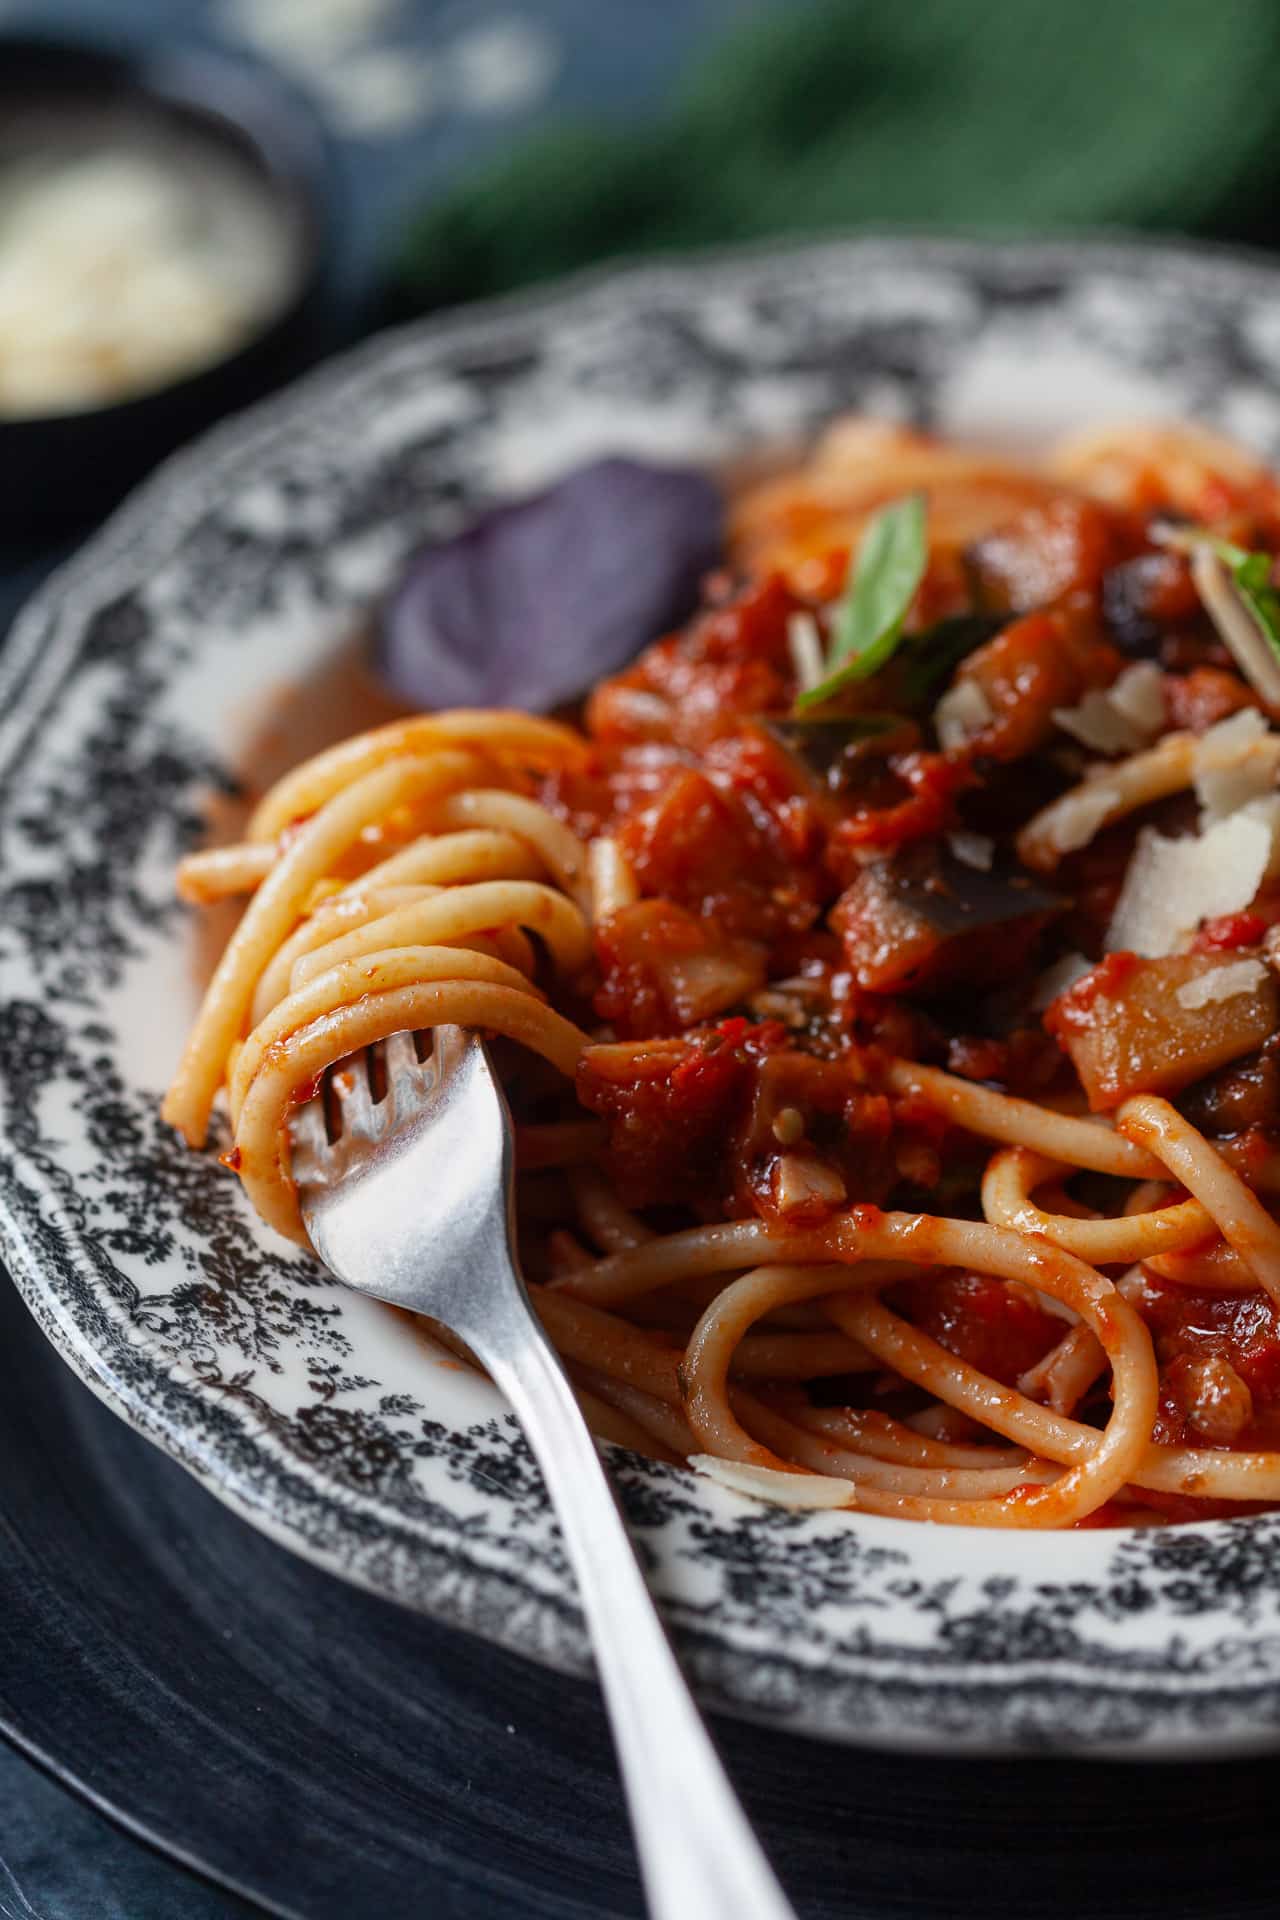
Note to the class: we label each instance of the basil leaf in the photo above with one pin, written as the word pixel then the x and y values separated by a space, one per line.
pixel 882 584
pixel 1250 572
pixel 833 684
pixel 1252 575
pixel 890 566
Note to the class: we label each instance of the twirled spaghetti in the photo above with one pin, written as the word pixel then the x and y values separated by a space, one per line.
pixel 893 1130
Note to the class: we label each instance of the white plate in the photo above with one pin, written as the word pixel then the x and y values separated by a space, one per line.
pixel 132 684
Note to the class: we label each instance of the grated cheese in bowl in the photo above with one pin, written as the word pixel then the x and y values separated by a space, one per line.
pixel 128 263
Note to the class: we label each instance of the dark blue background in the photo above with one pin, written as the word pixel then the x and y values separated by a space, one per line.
pixel 59 1860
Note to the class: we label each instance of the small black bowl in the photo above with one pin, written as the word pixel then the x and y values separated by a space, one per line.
pixel 59 469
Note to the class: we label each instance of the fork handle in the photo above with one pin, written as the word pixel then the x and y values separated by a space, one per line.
pixel 699 1858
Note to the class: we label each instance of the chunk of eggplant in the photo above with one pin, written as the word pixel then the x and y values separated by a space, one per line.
pixel 926 918
pixel 1127 1031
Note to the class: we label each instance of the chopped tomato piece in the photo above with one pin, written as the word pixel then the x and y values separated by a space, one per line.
pixel 699 846
pixel 661 970
pixel 1198 700
pixel 997 1326
pixel 731 663
pixel 814 1137
pixel 1040 663
pixel 931 782
pixel 672 1109
pixel 1243 1327
pixel 1229 931
pixel 1049 551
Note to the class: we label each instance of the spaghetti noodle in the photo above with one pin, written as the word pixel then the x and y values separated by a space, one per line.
pixel 860 1160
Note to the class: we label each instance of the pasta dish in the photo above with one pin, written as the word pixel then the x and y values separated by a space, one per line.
pixel 883 969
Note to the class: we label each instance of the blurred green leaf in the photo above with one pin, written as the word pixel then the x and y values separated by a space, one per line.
pixel 995 113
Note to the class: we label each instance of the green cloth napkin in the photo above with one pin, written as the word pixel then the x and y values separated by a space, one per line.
pixel 995 114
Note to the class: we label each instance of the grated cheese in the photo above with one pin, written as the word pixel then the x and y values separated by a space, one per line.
pixel 1122 718
pixel 962 713
pixel 1172 885
pixel 1225 743
pixel 1077 816
pixel 1223 983
pixel 804 643
pixel 1056 979
pixel 127 265
pixel 1236 626
pixel 1223 791
pixel 802 1180
pixel 700 984
pixel 1138 694
pixel 767 1483
pixel 972 849
pixel 1235 762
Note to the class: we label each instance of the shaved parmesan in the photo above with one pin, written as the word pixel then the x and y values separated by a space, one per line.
pixel 962 713
pixel 1236 626
pixel 1225 743
pixel 1121 718
pixel 972 849
pixel 1172 885
pixel 767 1483
pixel 1073 820
pixel 1223 983
pixel 1234 763
pixel 700 984
pixel 803 1181
pixel 1223 791
pixel 1096 725
pixel 804 643
pixel 1056 979
pixel 1139 695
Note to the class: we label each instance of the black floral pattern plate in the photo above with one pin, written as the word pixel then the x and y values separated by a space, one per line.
pixel 131 690
pixel 339 1758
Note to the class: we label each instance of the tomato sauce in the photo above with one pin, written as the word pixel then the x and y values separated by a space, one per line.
pixel 821 895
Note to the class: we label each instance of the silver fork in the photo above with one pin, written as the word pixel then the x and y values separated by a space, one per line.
pixel 413 1204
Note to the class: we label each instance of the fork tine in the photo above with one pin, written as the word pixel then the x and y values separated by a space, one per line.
pixel 404 1075
pixel 350 1083
pixel 309 1139
pixel 449 1045
pixel 401 1057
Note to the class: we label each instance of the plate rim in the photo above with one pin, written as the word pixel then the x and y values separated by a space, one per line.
pixel 30 679
pixel 929 244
